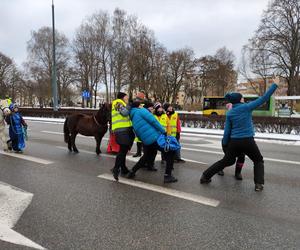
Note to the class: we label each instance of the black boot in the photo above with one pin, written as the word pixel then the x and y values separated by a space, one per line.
pixel 259 187
pixel 131 175
pixel 204 180
pixel 238 170
pixel 115 172
pixel 169 179
pixel 138 153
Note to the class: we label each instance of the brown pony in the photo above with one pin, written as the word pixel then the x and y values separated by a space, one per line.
pixel 88 125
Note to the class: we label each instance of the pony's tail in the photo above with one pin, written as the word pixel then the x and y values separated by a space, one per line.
pixel 66 131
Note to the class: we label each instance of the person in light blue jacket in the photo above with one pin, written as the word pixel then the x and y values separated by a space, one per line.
pixel 148 129
pixel 238 137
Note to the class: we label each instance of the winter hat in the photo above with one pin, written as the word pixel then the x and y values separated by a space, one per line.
pixel 121 95
pixel 157 105
pixel 166 105
pixel 13 106
pixel 140 95
pixel 148 104
pixel 233 97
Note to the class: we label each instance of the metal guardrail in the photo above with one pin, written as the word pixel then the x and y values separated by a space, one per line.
pixel 262 124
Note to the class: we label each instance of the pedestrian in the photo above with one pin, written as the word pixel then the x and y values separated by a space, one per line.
pixel 174 125
pixel 139 145
pixel 4 111
pixel 17 129
pixel 239 137
pixel 240 159
pixel 122 128
pixel 161 116
pixel 148 129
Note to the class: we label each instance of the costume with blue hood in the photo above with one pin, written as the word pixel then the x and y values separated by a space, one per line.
pixel 16 134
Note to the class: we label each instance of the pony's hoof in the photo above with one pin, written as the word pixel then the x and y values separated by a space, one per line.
pixel 98 152
pixel 76 151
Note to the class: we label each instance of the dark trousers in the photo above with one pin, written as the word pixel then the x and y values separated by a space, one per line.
pixel 240 159
pixel 236 147
pixel 120 162
pixel 150 152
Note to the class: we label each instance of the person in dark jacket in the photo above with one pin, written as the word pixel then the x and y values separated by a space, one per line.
pixel 148 129
pixel 238 137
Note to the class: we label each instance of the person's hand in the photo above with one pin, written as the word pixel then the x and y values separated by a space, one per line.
pixel 275 79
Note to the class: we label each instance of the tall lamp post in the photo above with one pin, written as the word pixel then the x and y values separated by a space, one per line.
pixel 53 78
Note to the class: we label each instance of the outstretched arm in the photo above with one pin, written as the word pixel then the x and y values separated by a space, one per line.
pixel 261 100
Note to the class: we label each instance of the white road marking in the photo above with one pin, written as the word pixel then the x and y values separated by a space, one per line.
pixel 27 158
pixel 221 153
pixel 168 191
pixel 128 157
pixel 60 133
pixel 13 202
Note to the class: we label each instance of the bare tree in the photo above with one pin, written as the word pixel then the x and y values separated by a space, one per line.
pixel 278 39
pixel 39 63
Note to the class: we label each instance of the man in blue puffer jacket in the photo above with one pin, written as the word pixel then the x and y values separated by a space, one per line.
pixel 148 129
pixel 238 137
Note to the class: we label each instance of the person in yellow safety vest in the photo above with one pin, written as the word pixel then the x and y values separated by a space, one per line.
pixel 139 145
pixel 8 99
pixel 175 127
pixel 163 119
pixel 122 128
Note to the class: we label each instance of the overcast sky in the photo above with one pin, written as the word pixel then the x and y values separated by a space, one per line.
pixel 203 25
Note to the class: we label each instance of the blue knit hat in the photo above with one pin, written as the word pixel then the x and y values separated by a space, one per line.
pixel 233 97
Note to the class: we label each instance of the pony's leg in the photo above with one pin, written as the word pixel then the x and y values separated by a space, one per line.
pixel 3 139
pixel 73 137
pixel 98 143
pixel 69 143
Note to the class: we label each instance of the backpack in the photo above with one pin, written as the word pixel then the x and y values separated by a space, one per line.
pixel 168 143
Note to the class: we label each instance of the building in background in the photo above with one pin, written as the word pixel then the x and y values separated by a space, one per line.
pixel 258 86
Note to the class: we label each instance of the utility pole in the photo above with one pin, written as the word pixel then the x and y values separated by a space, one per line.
pixel 53 78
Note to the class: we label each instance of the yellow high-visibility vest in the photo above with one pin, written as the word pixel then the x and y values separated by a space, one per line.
pixel 163 120
pixel 9 101
pixel 117 120
pixel 173 123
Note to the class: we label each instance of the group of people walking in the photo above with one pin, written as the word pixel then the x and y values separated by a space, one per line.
pixel 147 121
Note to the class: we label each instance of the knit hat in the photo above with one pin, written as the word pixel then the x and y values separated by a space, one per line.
pixel 157 105
pixel 121 95
pixel 140 95
pixel 13 106
pixel 233 97
pixel 166 105
pixel 148 104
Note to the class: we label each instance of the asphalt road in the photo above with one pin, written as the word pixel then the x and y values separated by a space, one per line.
pixel 76 206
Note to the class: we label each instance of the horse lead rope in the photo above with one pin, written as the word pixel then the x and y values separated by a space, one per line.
pixel 96 121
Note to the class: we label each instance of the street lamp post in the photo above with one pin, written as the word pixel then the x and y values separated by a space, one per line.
pixel 53 78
